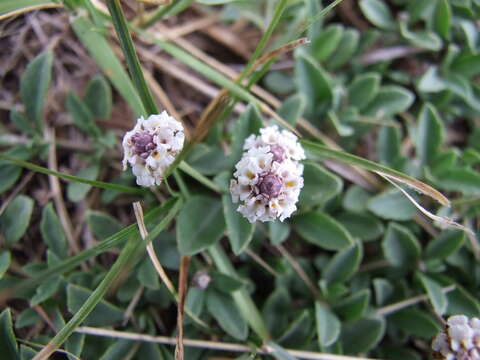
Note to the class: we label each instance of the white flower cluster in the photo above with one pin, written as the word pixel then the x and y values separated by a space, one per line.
pixel 459 341
pixel 268 178
pixel 151 147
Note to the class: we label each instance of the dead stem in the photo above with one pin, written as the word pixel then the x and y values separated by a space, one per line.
pixel 182 294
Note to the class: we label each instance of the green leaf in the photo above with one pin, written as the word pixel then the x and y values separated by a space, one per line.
pixel 105 58
pixel 278 232
pixel 320 185
pixel 239 229
pixel 14 221
pixel 98 97
pixel 52 232
pixel 292 108
pixel 361 225
pixel 224 310
pixel 430 134
pixel 326 42
pixel 462 302
pixel 225 283
pixel 195 300
pixel 415 322
pixel 275 310
pixel 147 275
pixel 5 260
pixel 242 298
pixel 383 290
pixel 400 246
pixel 279 352
pixel 463 180
pixel 346 50
pixel 313 82
pixel 354 306
pixel 355 199
pixel 279 82
pixel 344 264
pixel 78 191
pixel 8 344
pixel 116 350
pixel 322 230
pixel 423 38
pixel 443 19
pixel 10 173
pixel 435 294
pixel 45 291
pixel 28 317
pixel 388 145
pixel 444 245
pixel 378 14
pixel 33 88
pixel 22 123
pixel 467 65
pixel 104 313
pixel 27 353
pixel 392 204
pixel 102 225
pixel 82 116
pixel 199 225
pixel 249 122
pixel 390 100
pixel 361 335
pixel 328 325
pixel 431 81
pixel 363 89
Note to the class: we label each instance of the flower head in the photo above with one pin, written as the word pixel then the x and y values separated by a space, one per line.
pixel 282 144
pixel 268 178
pixel 151 147
pixel 460 340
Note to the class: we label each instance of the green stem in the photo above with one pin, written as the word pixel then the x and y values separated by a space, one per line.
pixel 125 261
pixel 121 27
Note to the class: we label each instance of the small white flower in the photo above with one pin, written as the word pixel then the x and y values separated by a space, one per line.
pixel 268 178
pixel 151 147
pixel 282 144
pixel 460 340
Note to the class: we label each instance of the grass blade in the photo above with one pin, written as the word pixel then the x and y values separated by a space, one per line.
pixel 100 184
pixel 318 150
pixel 121 27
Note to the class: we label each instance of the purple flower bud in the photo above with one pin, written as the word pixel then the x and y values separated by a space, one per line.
pixel 270 185
pixel 278 153
pixel 143 144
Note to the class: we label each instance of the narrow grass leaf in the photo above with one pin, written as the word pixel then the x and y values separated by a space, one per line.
pixel 100 184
